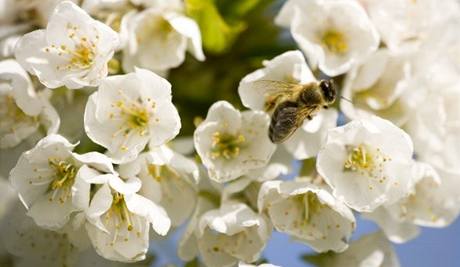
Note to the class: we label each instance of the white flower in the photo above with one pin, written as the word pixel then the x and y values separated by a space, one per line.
pixel 129 111
pixel 119 219
pixel 169 179
pixel 22 110
pixel 308 213
pixel 371 250
pixel 434 125
pixel 50 180
pixel 432 203
pixel 231 143
pixel 32 245
pixel 367 163
pixel 158 38
pixel 378 86
pixel 187 248
pixel 289 67
pixel 407 22
pixel 72 51
pixel 232 233
pixel 333 34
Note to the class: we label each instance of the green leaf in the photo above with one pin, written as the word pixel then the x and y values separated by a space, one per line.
pixel 218 35
pixel 236 8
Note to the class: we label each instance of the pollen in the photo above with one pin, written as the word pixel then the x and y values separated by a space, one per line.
pixel 226 145
pixel 64 178
pixel 366 160
pixel 335 42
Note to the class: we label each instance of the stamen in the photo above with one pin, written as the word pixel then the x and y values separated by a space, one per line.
pixel 335 42
pixel 366 160
pixel 226 145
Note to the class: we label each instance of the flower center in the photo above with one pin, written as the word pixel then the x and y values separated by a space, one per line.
pixel 335 42
pixel 83 54
pixel 365 160
pixel 312 205
pixel 133 113
pixel 121 212
pixel 64 173
pixel 226 145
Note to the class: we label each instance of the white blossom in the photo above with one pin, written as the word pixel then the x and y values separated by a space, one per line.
pixel 231 233
pixel 50 180
pixel 231 143
pixel 169 179
pixel 379 86
pixel 130 111
pixel 187 248
pixel 432 202
pixel 288 67
pixel 367 163
pixel 72 51
pixel 31 245
pixel 434 125
pixel 158 38
pixel 308 213
pixel 334 35
pixel 371 250
pixel 119 219
pixel 406 23
pixel 22 109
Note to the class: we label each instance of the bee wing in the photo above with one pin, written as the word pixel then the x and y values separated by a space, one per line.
pixel 275 92
pixel 287 118
pixel 271 86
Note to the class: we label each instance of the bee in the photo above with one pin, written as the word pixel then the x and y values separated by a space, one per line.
pixel 290 104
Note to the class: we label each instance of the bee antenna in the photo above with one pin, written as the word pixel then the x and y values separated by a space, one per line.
pixel 346 99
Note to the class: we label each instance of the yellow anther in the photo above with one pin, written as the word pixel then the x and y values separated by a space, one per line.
pixel 226 145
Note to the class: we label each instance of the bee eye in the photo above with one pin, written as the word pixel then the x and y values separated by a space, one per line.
pixel 328 90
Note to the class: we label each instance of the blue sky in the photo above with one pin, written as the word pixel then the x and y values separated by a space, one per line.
pixel 429 249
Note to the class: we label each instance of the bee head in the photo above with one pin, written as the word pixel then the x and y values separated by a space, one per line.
pixel 328 90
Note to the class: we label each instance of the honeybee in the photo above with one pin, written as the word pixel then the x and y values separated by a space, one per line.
pixel 291 103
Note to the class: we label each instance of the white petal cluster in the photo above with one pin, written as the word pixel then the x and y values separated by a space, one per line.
pixel 72 51
pixel 22 109
pixel 158 37
pixel 85 174
pixel 231 233
pixel 118 219
pixel 431 202
pixel 335 35
pixel 231 143
pixel 168 178
pixel 308 213
pixel 50 180
pixel 367 163
pixel 130 111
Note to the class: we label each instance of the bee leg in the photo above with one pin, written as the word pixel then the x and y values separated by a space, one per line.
pixel 325 107
pixel 309 117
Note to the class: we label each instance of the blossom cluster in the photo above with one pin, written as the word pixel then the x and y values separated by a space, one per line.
pixel 101 186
